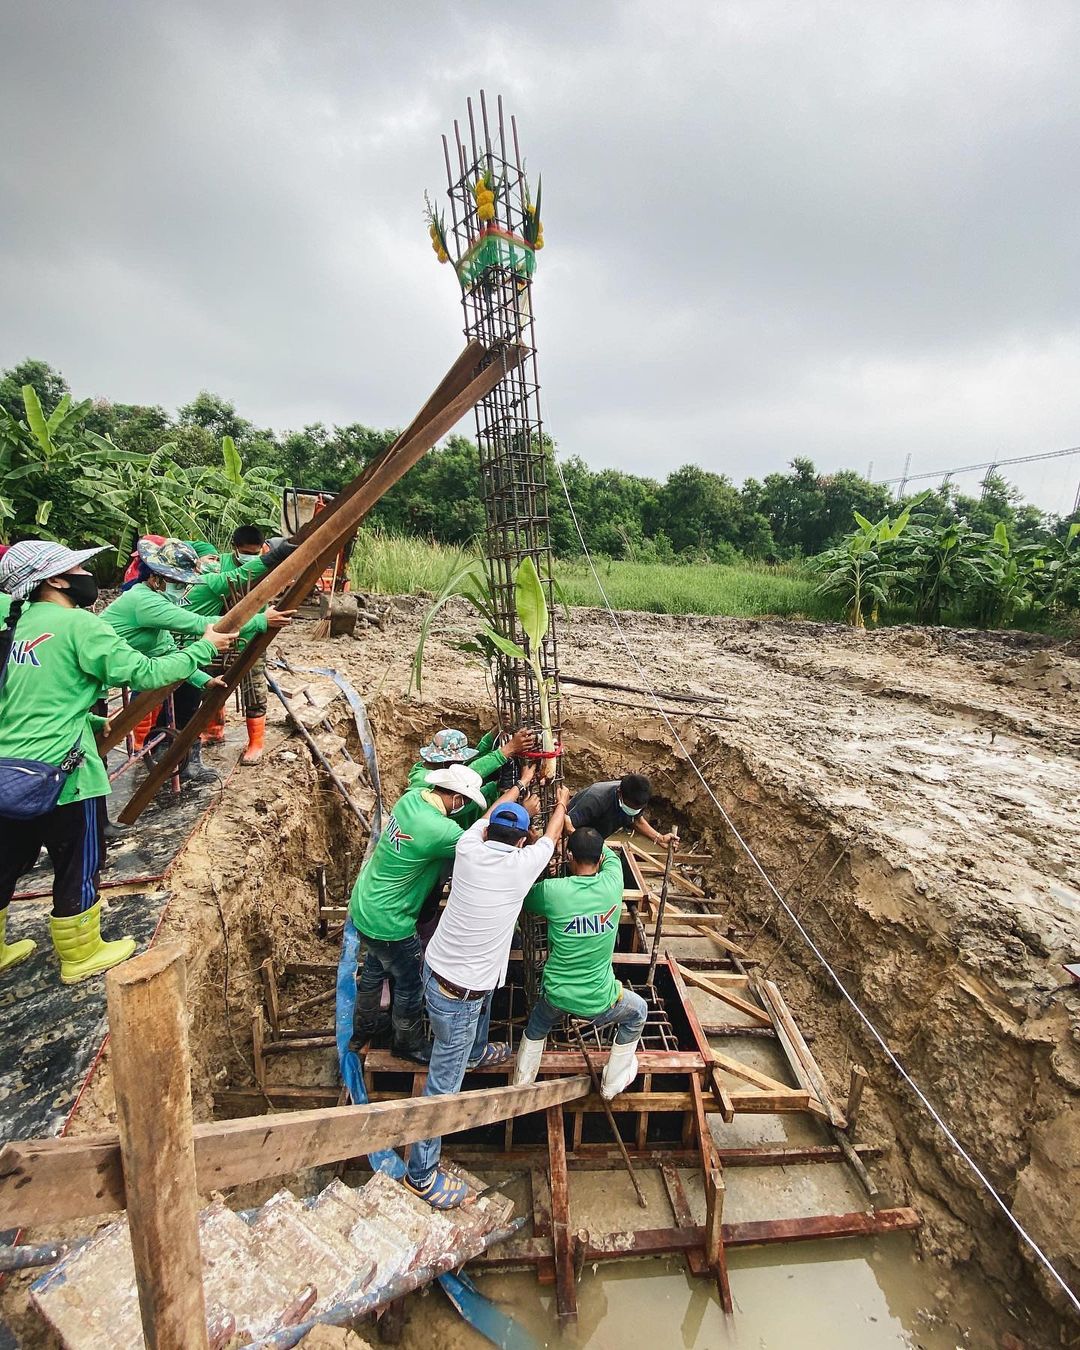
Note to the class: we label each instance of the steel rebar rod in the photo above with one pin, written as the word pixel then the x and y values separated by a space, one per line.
pixel 598 1089
pixel 661 906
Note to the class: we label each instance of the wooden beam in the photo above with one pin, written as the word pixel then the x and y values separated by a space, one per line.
pixel 768 1103
pixel 750 1233
pixel 46 1179
pixel 797 1052
pixel 747 1074
pixel 455 380
pixel 308 561
pixel 565 1286
pixel 732 1000
pixel 151 1070
pixel 270 995
pixel 723 1100
pixel 680 1207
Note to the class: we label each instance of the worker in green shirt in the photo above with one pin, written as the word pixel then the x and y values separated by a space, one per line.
pixel 57 659
pixel 148 617
pixel 210 596
pixel 451 746
pixel 420 834
pixel 248 542
pixel 582 912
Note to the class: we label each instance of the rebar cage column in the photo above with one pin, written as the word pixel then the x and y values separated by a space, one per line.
pixel 497 301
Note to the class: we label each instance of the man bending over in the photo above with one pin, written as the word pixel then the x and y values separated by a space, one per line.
pixel 582 912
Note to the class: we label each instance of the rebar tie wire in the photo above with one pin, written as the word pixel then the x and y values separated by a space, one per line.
pixel 893 1059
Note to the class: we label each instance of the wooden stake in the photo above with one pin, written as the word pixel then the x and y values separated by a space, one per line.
pixel 661 906
pixel 151 1070
pixel 856 1083
pixel 565 1288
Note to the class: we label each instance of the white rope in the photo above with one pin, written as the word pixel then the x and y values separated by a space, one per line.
pixel 934 1114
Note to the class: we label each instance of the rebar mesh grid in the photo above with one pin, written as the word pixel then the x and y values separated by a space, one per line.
pixel 497 303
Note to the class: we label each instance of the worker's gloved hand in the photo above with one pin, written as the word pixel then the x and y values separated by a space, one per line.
pixel 277 551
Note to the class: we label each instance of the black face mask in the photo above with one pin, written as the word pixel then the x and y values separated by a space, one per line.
pixel 82 589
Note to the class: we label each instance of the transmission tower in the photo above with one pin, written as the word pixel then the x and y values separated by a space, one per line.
pixel 492 240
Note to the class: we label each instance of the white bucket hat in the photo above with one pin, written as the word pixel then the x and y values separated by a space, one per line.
pixel 31 561
pixel 459 778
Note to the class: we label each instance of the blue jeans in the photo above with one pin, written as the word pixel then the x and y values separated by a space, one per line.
pixel 401 961
pixel 460 1027
pixel 627 1014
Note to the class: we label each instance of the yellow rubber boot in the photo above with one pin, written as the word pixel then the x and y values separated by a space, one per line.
pixel 256 730
pixel 78 944
pixel 18 951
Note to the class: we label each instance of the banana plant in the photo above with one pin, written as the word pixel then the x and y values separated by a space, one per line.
pixel 858 568
pixel 470 583
pixel 532 615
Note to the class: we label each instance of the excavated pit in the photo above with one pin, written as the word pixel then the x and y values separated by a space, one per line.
pixel 960 979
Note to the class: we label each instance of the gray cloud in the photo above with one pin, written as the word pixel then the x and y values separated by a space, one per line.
pixel 841 230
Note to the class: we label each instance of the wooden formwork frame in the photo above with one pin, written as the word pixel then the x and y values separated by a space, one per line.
pixel 558 1248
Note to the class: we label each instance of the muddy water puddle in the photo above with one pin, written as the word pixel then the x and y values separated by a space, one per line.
pixel 855 1295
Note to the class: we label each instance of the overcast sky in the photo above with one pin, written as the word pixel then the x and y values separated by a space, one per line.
pixel 842 230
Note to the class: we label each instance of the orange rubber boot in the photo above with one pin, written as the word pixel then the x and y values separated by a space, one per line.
pixel 215 729
pixel 256 730
pixel 145 727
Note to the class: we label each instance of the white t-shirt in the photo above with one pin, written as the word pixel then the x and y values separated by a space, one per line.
pixel 471 946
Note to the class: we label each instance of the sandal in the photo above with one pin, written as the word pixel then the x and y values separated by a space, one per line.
pixel 440 1191
pixel 493 1054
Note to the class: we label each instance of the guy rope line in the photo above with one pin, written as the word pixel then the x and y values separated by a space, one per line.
pixel 987 1184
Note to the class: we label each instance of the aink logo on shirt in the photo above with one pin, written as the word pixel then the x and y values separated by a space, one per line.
pixel 395 835
pixel 591 925
pixel 24 653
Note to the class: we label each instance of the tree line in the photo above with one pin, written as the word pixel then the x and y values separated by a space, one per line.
pixel 148 460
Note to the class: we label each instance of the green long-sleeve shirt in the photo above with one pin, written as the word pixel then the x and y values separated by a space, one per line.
pixel 487 762
pixel 148 620
pixel 62 661
pixel 396 880
pixel 210 594
pixel 583 923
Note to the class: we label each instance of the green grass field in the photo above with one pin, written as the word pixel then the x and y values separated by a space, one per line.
pixel 396 565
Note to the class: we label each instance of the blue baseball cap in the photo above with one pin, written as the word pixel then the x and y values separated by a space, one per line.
pixel 511 816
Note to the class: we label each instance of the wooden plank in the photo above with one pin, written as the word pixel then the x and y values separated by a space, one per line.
pixel 45 1179
pixel 787 1155
pixel 713 1177
pixel 151 1070
pixel 725 944
pixel 751 1233
pixel 737 1029
pixel 455 380
pixel 725 996
pixel 565 1286
pixel 766 1103
pixel 723 1100
pixel 270 995
pixel 680 1207
pixel 714 1221
pixel 797 1051
pixel 740 1070
pixel 309 559
pixel 762 1232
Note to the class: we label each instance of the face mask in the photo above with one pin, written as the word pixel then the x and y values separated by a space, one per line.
pixel 629 810
pixel 82 589
pixel 176 591
pixel 457 810
pixel 210 565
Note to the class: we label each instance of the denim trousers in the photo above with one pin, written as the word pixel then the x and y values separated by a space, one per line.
pixel 401 961
pixel 627 1014
pixel 460 1027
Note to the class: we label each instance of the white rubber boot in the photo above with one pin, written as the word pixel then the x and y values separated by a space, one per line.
pixel 620 1070
pixel 528 1061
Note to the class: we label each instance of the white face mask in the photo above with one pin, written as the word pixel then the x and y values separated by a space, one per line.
pixel 630 810
pixel 176 591
pixel 457 810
